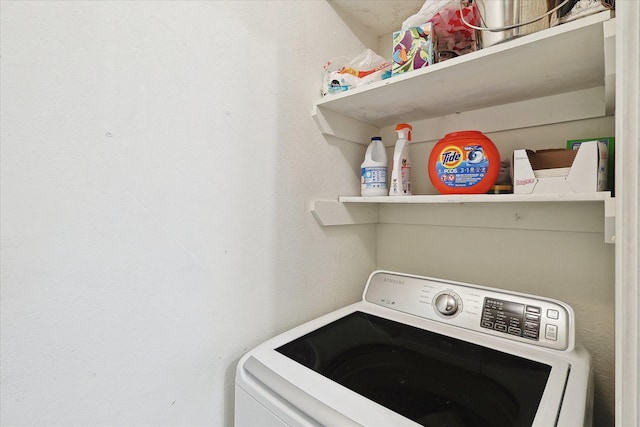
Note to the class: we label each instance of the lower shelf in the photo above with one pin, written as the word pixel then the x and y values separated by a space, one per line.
pixel 481 198
pixel 561 212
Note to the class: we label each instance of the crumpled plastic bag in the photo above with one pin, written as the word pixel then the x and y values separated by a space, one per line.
pixel 582 8
pixel 453 35
pixel 426 13
pixel 344 73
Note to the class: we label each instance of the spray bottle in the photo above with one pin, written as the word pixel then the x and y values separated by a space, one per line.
pixel 401 172
pixel 373 172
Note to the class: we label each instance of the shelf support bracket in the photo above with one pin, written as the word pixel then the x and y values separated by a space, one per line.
pixel 343 127
pixel 337 213
pixel 609 30
pixel 610 220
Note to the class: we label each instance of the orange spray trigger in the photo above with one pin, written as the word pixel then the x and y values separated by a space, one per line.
pixel 404 129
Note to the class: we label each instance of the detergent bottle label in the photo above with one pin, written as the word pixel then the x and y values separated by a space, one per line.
pixel 462 167
pixel 405 173
pixel 373 177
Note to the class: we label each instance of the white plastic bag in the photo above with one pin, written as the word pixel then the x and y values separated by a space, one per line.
pixel 344 73
pixel 453 35
pixel 427 12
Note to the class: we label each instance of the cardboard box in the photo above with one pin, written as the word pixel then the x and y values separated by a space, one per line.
pixel 413 49
pixel 555 171
pixel 573 144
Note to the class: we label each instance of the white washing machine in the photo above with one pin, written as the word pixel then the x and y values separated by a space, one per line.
pixel 422 351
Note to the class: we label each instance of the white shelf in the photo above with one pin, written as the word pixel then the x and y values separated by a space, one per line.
pixel 552 211
pixel 568 58
pixel 481 198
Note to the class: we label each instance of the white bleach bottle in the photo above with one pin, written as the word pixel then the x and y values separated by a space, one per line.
pixel 401 172
pixel 373 172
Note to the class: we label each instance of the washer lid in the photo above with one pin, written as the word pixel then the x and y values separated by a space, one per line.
pixel 270 376
pixel 426 377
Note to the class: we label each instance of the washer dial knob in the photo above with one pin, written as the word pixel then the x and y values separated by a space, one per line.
pixel 447 303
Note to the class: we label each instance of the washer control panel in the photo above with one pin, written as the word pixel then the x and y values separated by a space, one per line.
pixel 512 318
pixel 525 318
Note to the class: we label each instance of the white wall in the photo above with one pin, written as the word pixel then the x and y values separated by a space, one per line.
pixel 158 162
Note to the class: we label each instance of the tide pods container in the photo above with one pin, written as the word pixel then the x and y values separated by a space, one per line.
pixel 465 162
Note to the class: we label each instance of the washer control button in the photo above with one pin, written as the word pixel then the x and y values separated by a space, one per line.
pixel 447 304
pixel 551 332
pixel 553 314
pixel 529 316
pixel 514 331
pixel 531 334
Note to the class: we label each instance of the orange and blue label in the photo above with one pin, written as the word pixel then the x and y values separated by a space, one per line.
pixel 462 167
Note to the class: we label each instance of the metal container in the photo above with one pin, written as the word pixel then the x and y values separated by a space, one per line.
pixel 506 13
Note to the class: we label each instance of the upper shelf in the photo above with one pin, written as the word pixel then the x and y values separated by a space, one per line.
pixel 567 58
